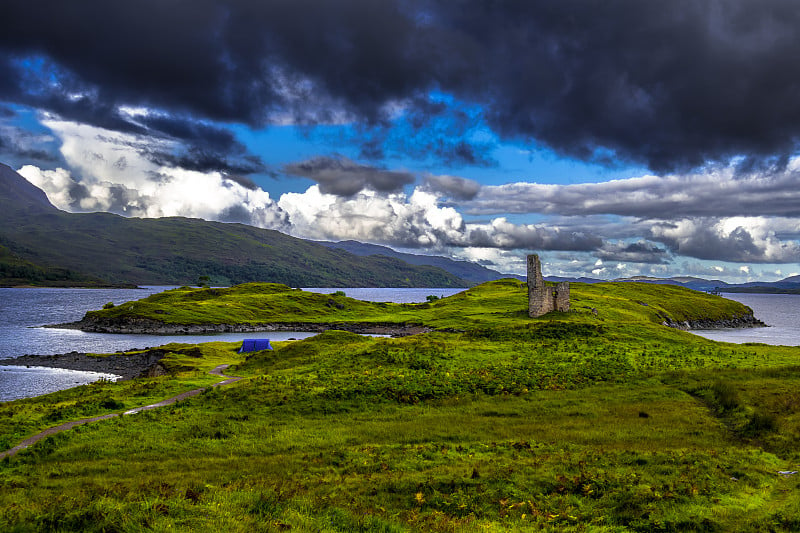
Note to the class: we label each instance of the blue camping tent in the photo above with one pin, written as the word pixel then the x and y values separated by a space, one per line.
pixel 254 345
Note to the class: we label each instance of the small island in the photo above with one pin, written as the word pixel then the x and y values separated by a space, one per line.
pixel 253 307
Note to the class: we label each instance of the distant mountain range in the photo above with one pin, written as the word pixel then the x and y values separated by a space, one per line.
pixel 790 285
pixel 466 270
pixel 42 245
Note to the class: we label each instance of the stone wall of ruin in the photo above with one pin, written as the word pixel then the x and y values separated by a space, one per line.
pixel 561 297
pixel 542 298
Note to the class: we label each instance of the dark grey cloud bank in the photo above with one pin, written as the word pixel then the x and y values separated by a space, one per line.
pixel 208 147
pixel 19 146
pixel 637 252
pixel 453 186
pixel 343 177
pixel 668 84
pixel 705 243
pixel 534 238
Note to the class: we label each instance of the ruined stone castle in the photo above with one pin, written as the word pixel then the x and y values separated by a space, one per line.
pixel 543 298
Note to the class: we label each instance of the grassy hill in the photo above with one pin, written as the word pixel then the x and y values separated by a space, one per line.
pixel 499 304
pixel 177 251
pixel 570 422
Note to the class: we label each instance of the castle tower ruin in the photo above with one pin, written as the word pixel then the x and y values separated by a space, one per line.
pixel 543 298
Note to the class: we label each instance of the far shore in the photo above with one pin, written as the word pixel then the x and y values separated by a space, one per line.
pixel 71 286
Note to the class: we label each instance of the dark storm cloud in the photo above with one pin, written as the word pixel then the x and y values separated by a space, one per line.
pixel 509 236
pixel 204 161
pixel 637 252
pixel 18 146
pixel 453 186
pixel 228 61
pixel 7 112
pixel 205 147
pixel 201 135
pixel 197 146
pixel 39 82
pixel 343 177
pixel 669 84
pixel 245 182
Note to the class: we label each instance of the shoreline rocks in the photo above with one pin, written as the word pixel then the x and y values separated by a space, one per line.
pixel 737 322
pixel 154 327
pixel 127 365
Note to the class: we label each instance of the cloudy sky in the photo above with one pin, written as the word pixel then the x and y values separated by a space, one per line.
pixel 616 138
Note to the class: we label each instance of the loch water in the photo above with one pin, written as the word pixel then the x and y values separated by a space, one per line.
pixel 781 312
pixel 23 312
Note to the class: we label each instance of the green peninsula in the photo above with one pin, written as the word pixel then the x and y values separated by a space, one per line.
pixel 498 305
pixel 597 419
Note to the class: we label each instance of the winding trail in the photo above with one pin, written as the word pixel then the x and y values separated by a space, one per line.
pixel 218 371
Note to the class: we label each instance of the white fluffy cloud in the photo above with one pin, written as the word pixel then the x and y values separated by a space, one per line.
pixel 417 220
pixel 410 221
pixel 55 183
pixel 115 176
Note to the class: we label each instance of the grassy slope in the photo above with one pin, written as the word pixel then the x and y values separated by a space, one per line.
pixel 568 422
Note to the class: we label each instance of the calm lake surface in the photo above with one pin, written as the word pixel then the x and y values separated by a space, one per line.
pixel 24 311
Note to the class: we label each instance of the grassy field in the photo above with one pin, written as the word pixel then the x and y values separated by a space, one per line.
pixel 495 422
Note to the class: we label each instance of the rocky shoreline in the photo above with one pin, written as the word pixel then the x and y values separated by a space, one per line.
pixel 127 365
pixel 738 322
pixel 154 327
